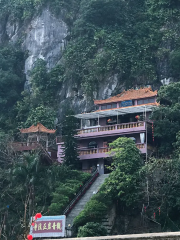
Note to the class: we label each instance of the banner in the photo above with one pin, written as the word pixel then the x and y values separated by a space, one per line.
pixel 126 103
pixel 53 226
pixel 142 137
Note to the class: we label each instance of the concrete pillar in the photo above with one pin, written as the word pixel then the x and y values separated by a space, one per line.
pixel 101 166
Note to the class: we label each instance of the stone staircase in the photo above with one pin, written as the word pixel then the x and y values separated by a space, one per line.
pixel 82 202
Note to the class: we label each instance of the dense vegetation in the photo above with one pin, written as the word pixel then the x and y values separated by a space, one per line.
pixel 126 190
pixel 28 186
pixel 12 82
pixel 138 41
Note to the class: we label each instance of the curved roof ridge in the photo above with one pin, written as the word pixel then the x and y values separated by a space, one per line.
pixel 130 94
pixel 38 128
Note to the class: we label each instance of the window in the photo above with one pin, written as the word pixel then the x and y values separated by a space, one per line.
pixel 151 100
pixel 140 102
pixel 109 106
pixel 114 105
pixel 92 144
pixel 103 107
pixel 145 101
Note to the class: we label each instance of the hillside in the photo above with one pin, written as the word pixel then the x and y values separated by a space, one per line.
pixel 61 55
pixel 92 50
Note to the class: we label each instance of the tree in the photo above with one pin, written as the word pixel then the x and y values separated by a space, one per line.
pixel 166 117
pixel 123 184
pixel 69 130
pixel 11 84
pixel 124 181
pixel 41 114
pixel 164 196
pixel 92 229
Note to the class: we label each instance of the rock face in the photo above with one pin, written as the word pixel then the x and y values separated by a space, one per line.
pixel 45 37
pixel 42 37
pixel 74 96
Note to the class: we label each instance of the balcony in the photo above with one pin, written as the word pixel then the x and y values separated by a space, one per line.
pixel 30 146
pixel 102 152
pixel 24 146
pixel 116 129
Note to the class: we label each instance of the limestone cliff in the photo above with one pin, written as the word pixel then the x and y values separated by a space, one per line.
pixel 110 46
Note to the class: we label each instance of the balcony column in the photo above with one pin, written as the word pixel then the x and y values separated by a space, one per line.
pixel 117 119
pixel 81 123
pixel 100 165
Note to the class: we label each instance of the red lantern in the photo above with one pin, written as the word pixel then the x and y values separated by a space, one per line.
pixel 154 215
pixel 29 237
pixel 159 211
pixel 38 215
pixel 33 224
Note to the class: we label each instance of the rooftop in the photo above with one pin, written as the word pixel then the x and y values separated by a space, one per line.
pixel 129 95
pixel 38 128
pixel 118 111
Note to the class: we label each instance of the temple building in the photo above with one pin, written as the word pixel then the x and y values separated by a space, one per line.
pixel 124 115
pixel 36 138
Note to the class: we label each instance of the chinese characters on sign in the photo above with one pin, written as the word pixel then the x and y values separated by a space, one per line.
pixel 49 227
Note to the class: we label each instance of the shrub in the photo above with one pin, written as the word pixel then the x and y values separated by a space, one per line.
pixel 92 229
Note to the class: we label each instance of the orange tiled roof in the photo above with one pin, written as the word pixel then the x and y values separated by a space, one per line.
pixel 145 104
pixel 129 95
pixel 38 128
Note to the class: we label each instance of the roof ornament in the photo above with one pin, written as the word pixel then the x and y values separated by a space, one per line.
pixel 38 128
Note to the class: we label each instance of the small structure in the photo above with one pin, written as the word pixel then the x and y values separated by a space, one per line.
pixel 37 138
pixel 124 115
pixel 37 134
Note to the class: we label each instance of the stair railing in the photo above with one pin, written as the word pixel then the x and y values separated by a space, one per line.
pixel 81 192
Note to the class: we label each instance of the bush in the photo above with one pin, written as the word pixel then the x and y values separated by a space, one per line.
pixel 92 229
pixel 67 190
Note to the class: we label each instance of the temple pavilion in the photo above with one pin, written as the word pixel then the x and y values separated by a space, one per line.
pixel 36 138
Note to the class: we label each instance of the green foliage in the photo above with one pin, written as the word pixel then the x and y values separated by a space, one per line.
pixel 128 43
pixel 94 210
pixel 25 9
pixel 43 115
pixel 163 182
pixel 166 117
pixel 69 130
pixel 124 181
pixel 175 63
pixel 11 84
pixel 66 191
pixel 44 85
pixel 92 229
pixel 39 104
pixel 28 186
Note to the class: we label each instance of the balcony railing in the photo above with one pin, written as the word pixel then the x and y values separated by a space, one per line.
pixel 140 145
pixel 112 127
pixel 25 146
pixel 86 151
